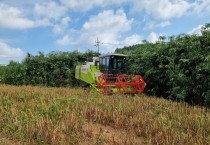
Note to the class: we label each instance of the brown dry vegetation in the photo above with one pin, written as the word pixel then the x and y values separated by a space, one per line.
pixel 40 115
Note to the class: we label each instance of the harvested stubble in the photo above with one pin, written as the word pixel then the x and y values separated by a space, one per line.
pixel 40 115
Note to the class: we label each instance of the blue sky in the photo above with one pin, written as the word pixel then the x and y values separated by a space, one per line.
pixel 68 25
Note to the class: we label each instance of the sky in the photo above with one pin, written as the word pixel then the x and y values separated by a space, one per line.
pixel 32 26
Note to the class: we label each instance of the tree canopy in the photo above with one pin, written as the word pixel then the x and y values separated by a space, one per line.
pixel 178 69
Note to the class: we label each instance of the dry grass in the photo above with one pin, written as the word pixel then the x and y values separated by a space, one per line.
pixel 38 115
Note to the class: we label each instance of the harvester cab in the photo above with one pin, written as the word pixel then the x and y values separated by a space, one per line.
pixel 112 63
pixel 106 74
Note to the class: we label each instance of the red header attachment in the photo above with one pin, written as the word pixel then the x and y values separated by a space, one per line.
pixel 126 84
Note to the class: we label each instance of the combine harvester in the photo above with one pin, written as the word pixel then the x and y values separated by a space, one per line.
pixel 106 75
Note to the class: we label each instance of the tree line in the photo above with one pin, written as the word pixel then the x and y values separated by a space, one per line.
pixel 56 69
pixel 177 69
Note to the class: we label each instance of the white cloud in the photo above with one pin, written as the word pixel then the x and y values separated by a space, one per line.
pixel 50 10
pixel 163 9
pixel 201 7
pixel 83 5
pixel 65 21
pixel 62 26
pixel 164 24
pixel 132 40
pixel 42 22
pixel 108 21
pixel 13 18
pixel 153 37
pixel 8 53
pixel 152 24
pixel 57 29
pixel 196 30
pixel 20 3
pixel 107 26
pixel 64 41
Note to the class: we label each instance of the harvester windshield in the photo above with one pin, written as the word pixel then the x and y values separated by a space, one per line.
pixel 112 63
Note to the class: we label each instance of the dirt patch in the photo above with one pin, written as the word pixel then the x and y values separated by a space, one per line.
pixel 6 141
pixel 106 135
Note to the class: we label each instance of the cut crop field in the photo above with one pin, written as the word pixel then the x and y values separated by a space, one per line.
pixel 41 115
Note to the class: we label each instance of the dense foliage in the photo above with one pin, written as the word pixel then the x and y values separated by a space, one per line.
pixel 178 69
pixel 54 69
